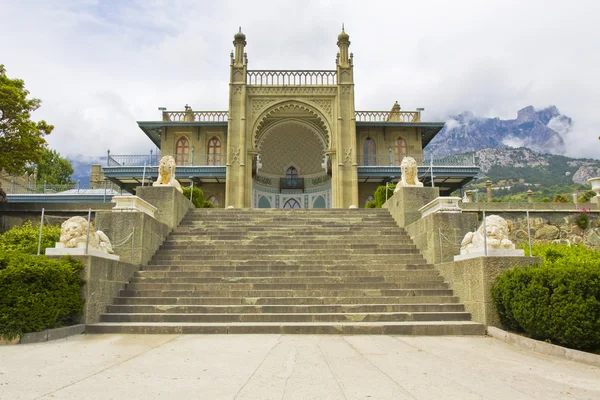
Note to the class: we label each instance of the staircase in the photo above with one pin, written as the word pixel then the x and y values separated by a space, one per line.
pixel 288 271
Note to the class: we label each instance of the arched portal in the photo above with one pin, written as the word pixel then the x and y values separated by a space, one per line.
pixel 292 155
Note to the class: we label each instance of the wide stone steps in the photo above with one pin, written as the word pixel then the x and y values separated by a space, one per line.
pixel 287 271
pixel 286 292
pixel 421 328
pixel 313 300
pixel 282 308
pixel 287 317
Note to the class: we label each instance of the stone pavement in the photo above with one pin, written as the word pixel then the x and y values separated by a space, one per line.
pixel 287 367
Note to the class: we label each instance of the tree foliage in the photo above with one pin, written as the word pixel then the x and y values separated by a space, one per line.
pixel 52 168
pixel 21 139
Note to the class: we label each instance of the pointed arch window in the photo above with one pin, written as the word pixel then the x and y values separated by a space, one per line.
pixel 291 175
pixel 399 150
pixel 182 151
pixel 291 204
pixel 369 152
pixel 214 151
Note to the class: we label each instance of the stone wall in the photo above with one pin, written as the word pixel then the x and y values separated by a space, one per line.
pixel 135 236
pixel 549 222
pixel 405 203
pixel 472 279
pixel 171 204
pixel 452 227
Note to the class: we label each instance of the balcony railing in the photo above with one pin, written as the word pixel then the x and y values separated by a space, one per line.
pixel 195 116
pixel 385 160
pixel 291 78
pixel 152 160
pixel 388 116
pixel 291 183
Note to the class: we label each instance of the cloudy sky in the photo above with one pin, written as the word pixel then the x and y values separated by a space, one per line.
pixel 100 66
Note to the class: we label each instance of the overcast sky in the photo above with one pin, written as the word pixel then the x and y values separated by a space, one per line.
pixel 100 66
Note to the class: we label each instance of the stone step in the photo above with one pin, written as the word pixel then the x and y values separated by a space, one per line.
pixel 286 317
pixel 143 285
pixel 200 266
pixel 289 280
pixel 280 309
pixel 286 293
pixel 265 246
pixel 421 328
pixel 332 259
pixel 313 300
pixel 414 275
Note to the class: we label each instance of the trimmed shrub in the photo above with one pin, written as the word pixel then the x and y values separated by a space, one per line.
pixel 38 293
pixel 208 204
pixel 371 204
pixel 558 300
pixel 24 239
pixel 197 198
pixel 582 219
pixel 379 195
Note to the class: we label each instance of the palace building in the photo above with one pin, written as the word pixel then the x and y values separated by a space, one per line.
pixel 290 139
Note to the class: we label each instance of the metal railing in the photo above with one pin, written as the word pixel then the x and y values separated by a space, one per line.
pixel 391 159
pixel 291 183
pixel 195 116
pixel 388 116
pixel 291 78
pixel 153 160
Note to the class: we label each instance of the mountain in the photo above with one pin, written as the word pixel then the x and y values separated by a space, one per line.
pixel 534 167
pixel 540 130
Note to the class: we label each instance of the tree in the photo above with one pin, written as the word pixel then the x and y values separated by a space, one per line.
pixel 52 168
pixel 21 139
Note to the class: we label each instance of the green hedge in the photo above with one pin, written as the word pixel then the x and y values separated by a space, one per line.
pixel 24 239
pixel 379 196
pixel 197 198
pixel 38 293
pixel 558 301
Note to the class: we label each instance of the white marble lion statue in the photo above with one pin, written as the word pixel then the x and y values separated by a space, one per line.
pixel 166 173
pixel 73 234
pixel 410 174
pixel 496 229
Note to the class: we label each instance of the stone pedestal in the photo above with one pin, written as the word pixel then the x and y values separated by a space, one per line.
pixel 404 205
pixel 472 280
pixel 170 203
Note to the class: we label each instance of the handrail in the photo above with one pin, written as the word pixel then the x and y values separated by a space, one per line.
pixel 153 160
pixel 291 77
pixel 423 160
pixel 388 116
pixel 192 116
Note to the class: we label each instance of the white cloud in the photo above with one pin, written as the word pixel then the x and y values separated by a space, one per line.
pixel 99 66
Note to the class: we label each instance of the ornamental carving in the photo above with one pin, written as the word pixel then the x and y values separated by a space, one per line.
pixel 235 156
pixel 259 105
pixel 325 105
pixel 324 91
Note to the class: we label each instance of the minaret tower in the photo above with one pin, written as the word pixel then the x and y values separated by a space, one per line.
pixel 239 173
pixel 345 183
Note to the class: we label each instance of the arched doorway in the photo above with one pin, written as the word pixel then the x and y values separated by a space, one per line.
pixel 292 153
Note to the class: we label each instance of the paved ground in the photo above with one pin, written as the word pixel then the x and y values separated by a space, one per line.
pixel 287 367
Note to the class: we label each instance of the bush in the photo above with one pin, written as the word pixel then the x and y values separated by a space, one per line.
pixel 24 239
pixel 561 198
pixel 582 219
pixel 38 293
pixel 380 195
pixel 197 198
pixel 208 204
pixel 371 204
pixel 558 300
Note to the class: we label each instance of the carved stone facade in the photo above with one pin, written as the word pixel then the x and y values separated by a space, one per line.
pixel 296 130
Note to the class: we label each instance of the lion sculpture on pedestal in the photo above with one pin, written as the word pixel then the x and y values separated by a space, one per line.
pixel 410 174
pixel 166 173
pixel 496 229
pixel 73 233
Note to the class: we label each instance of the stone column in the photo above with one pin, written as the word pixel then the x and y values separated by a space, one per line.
pixel 488 187
pixel 529 196
pixel 469 194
